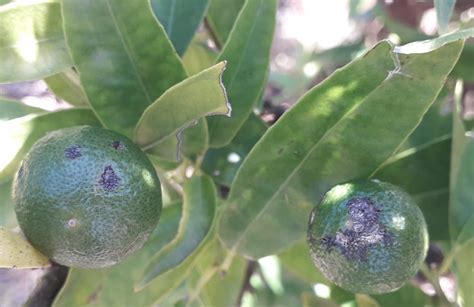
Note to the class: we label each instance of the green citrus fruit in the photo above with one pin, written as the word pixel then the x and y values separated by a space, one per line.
pixel 367 236
pixel 86 197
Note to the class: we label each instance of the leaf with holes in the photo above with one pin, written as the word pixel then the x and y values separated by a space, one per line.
pixel 318 143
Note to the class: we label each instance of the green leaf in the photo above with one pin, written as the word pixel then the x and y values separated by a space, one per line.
pixel 297 260
pixel 465 66
pixel 198 56
pixel 125 61
pixel 114 286
pixel 17 252
pixel 364 300
pixel 199 207
pixel 464 269
pixel 222 163
pixel 432 44
pixel 180 18
pixel 7 214
pixel 67 86
pixel 221 17
pixel 195 139
pixel 408 295
pixel 181 105
pixel 248 54
pixel 318 144
pixel 461 207
pixel 424 173
pixel 32 42
pixel 18 135
pixel 310 300
pixel 444 9
pixel 10 109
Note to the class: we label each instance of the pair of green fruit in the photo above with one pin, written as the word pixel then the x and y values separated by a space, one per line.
pixel 88 197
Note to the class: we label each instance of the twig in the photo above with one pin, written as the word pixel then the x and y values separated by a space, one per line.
pixel 246 286
pixel 433 278
pixel 212 34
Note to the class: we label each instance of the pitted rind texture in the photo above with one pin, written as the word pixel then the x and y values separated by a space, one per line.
pixel 87 197
pixel 367 236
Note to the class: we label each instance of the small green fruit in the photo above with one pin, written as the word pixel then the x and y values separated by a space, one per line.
pixel 367 236
pixel 86 197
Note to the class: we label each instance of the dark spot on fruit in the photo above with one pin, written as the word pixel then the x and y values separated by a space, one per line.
pixel 73 152
pixel 362 231
pixel 118 145
pixel 109 180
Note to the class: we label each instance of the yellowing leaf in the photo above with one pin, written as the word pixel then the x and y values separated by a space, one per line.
pixel 17 252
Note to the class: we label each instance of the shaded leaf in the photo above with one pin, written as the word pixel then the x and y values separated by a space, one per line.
pixel 461 207
pixel 17 252
pixel 222 163
pixel 464 269
pixel 317 144
pixel 221 17
pixel 18 135
pixel 195 139
pixel 125 61
pixel 297 260
pixel 180 18
pixel 67 86
pixel 32 44
pixel 465 67
pixel 199 207
pixel 10 109
pixel 444 9
pixel 248 54
pixel 424 173
pixel 114 286
pixel 184 103
pixel 408 295
pixel 198 56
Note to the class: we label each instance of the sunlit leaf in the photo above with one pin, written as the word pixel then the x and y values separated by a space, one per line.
pixel 10 109
pixel 32 44
pixel 124 58
pixel 318 144
pixel 181 105
pixel 248 54
pixel 17 252
pixel 67 86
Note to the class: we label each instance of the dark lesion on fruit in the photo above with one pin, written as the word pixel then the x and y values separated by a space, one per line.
pixel 362 231
pixel 118 145
pixel 109 181
pixel 73 152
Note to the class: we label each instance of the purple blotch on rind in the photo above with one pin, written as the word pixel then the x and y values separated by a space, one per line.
pixel 73 152
pixel 109 181
pixel 362 232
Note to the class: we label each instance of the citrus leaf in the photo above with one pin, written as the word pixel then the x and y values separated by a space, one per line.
pixel 407 295
pixel 198 56
pixel 444 9
pixel 17 252
pixel 7 214
pixel 297 260
pixel 195 139
pixel 364 300
pixel 10 109
pixel 432 44
pixel 461 207
pixel 18 135
pixel 197 96
pixel 248 54
pixel 310 300
pixel 114 286
pixel 221 17
pixel 199 207
pixel 180 18
pixel 464 268
pixel 125 60
pixel 222 163
pixel 32 42
pixel 67 86
pixel 317 144
pixel 423 172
